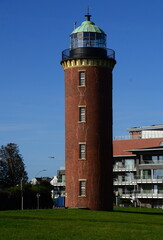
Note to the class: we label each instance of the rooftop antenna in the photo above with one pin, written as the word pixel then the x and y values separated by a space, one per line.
pixel 88 16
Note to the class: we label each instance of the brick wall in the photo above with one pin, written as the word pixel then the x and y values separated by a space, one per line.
pixel 96 132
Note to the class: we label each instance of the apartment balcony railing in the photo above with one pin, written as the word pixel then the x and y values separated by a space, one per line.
pixel 127 137
pixel 149 195
pixel 140 195
pixel 149 180
pixel 124 182
pixel 126 196
pixel 137 180
pixel 59 184
pixel 124 168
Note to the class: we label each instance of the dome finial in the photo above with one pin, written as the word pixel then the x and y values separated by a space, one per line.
pixel 88 16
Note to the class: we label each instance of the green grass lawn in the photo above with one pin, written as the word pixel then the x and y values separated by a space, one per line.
pixel 60 224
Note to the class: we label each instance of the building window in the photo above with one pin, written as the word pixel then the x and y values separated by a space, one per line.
pixel 82 151
pixel 82 187
pixel 158 173
pixel 152 159
pixel 81 78
pixel 146 173
pixel 82 114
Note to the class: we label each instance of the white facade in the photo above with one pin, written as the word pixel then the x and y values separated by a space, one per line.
pixel 152 134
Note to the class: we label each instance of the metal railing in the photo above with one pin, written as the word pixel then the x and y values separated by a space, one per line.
pixel 124 182
pixel 137 180
pixel 59 184
pixel 138 195
pixel 149 195
pixel 66 54
pixel 127 137
pixel 118 168
pixel 149 180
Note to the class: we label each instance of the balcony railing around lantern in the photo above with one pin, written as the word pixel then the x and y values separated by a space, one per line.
pixel 85 52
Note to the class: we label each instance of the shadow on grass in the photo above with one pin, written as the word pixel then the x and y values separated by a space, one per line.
pixel 139 211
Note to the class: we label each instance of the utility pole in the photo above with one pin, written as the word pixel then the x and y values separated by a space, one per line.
pixel 21 189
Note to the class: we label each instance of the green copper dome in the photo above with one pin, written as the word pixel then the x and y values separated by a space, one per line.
pixel 88 26
pixel 88 35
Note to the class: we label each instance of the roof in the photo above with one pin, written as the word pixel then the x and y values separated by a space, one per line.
pixel 123 147
pixel 151 149
pixel 88 26
pixel 152 127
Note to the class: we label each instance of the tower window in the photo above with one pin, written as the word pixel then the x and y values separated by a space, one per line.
pixel 82 114
pixel 82 150
pixel 82 187
pixel 81 78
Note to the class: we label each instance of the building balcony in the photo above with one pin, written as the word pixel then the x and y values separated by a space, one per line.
pixel 137 180
pixel 127 137
pixel 124 169
pixel 126 196
pixel 124 182
pixel 149 180
pixel 140 195
pixel 59 184
pixel 149 195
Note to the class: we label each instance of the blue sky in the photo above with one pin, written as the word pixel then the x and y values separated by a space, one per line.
pixel 33 34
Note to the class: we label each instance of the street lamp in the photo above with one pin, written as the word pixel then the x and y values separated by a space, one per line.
pixel 38 200
pixel 38 194
pixel 40 172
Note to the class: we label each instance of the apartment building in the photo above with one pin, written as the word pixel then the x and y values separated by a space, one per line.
pixel 138 167
pixel 59 183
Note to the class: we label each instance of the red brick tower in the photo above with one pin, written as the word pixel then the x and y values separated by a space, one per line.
pixel 88 66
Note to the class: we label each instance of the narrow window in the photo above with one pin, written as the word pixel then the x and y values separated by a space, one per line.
pixel 82 187
pixel 82 151
pixel 81 78
pixel 82 114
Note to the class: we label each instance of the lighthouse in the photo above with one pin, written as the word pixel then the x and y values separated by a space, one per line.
pixel 88 66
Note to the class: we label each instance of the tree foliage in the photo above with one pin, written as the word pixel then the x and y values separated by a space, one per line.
pixel 12 168
pixel 10 199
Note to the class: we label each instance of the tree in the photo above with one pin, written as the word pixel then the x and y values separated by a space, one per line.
pixel 12 168
pixel 10 198
pixel 44 190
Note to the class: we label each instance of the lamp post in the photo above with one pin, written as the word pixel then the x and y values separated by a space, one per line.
pixel 38 200
pixel 117 198
pixel 21 189
pixel 38 194
pixel 40 172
